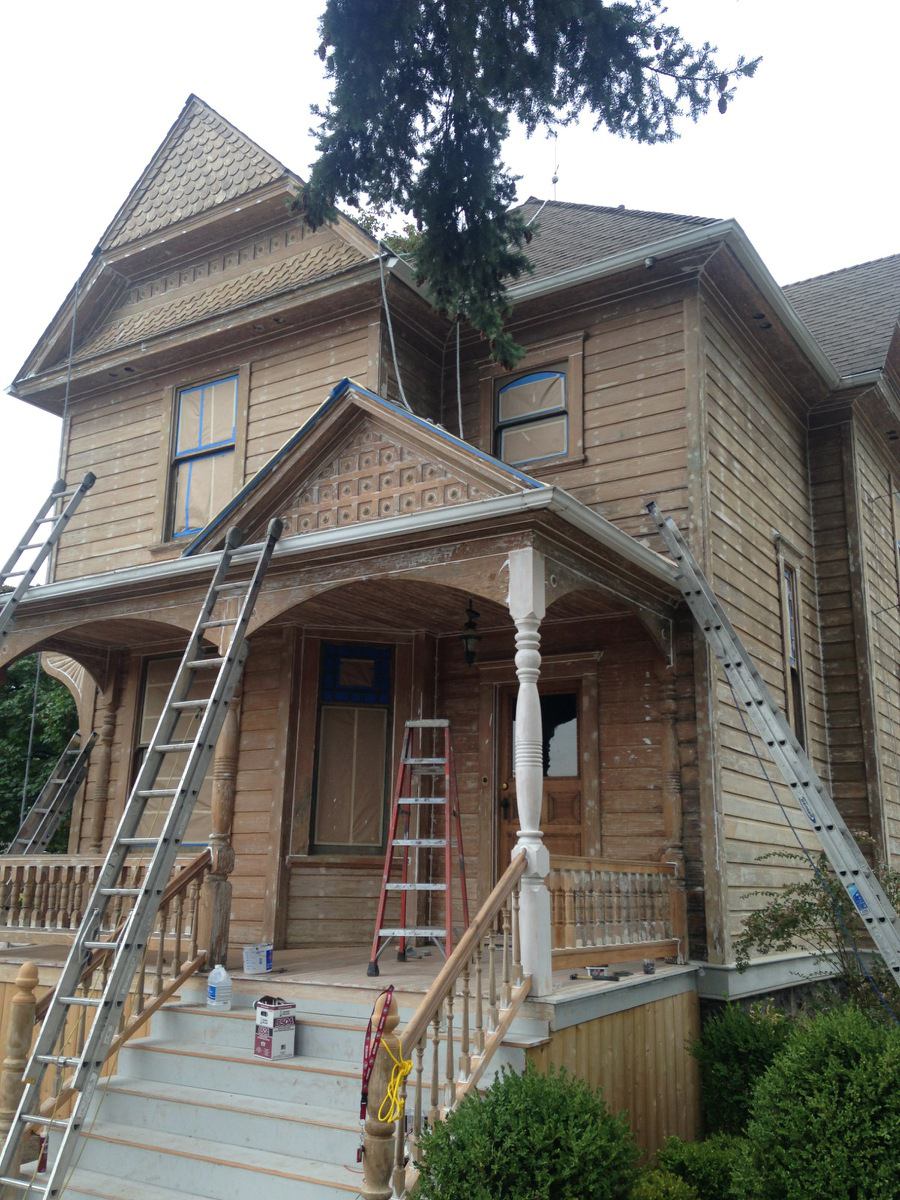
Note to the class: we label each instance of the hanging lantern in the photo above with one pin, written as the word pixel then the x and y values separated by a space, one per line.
pixel 470 637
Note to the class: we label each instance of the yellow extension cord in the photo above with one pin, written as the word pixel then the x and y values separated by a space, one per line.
pixel 392 1098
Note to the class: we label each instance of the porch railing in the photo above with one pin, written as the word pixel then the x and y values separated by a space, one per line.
pixel 618 908
pixel 464 1016
pixel 42 897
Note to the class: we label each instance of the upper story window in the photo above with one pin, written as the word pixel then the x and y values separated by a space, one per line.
pixel 535 419
pixel 532 418
pixel 203 465
pixel 792 650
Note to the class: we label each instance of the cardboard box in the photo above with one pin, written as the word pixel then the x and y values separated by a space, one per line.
pixel 274 1044
pixel 274 1013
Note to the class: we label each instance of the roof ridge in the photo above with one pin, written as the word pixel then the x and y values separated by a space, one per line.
pixel 619 208
pixel 871 262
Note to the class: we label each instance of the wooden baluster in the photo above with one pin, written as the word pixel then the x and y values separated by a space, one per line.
pixel 20 1025
pixel 450 1057
pixel 13 904
pixel 493 1010
pixel 6 880
pixel 51 911
pixel 28 886
pixel 506 975
pixel 63 912
pixel 465 1056
pixel 479 999
pixel 398 1178
pixel 141 984
pixel 590 909
pixel 434 1111
pixel 378 1136
pixel 610 911
pixel 162 926
pixel 77 897
pixel 581 910
pixel 178 909
pixel 193 910
pixel 417 1108
pixel 517 942
pixel 569 893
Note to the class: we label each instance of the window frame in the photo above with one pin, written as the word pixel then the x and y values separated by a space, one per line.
pixel 565 355
pixel 788 559
pixel 165 501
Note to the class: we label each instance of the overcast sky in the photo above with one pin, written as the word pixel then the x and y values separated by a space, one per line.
pixel 802 159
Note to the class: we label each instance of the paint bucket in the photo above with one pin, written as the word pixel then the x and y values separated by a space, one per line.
pixel 258 959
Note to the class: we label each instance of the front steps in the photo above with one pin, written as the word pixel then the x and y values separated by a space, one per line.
pixel 192 1114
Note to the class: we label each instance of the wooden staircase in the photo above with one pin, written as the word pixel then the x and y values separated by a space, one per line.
pixel 192 1114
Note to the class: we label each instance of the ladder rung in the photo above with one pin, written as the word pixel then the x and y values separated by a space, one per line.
pixel 138 841
pixel 415 932
pixel 436 723
pixel 26 1185
pixel 120 891
pixel 421 799
pixel 58 1060
pixel 231 587
pixel 101 945
pixel 415 887
pixel 424 762
pixel 50 1122
pixel 16 574
pixel 185 704
pixel 419 842
pixel 219 623
pixel 173 747
pixel 146 792
pixel 205 662
pixel 82 1001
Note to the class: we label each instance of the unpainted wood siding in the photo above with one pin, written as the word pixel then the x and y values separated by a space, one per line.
pixel 759 485
pixel 877 508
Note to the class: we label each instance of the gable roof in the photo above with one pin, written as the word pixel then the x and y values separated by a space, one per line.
pixel 360 458
pixel 203 161
pixel 570 235
pixel 852 313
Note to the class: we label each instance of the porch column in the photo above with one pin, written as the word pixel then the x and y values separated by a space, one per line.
pixel 96 793
pixel 215 901
pixel 527 608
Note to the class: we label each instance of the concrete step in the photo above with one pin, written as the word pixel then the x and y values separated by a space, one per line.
pixel 309 1130
pixel 212 1169
pixel 94 1185
pixel 328 1082
pixel 316 1037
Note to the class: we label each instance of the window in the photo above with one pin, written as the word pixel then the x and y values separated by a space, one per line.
pixel 203 466
pixel 350 787
pixel 535 418
pixel 792 651
pixel 158 677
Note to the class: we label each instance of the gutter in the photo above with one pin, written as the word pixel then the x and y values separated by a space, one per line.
pixel 549 499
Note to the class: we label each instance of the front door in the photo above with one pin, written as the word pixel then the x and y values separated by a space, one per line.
pixel 562 807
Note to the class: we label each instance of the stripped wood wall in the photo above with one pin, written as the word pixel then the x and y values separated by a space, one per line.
pixel 640 1061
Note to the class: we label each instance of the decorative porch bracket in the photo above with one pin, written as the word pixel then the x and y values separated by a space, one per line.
pixel 527 606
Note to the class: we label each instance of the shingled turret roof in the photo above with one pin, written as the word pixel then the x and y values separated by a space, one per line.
pixel 852 313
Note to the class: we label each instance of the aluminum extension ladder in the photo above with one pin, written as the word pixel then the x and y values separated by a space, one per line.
pixel 836 840
pixel 129 942
pixel 426 781
pixel 54 799
pixel 13 569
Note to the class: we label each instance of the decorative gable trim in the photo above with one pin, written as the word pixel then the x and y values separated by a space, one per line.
pixel 360 458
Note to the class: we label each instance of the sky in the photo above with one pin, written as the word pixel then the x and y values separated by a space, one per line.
pixel 88 91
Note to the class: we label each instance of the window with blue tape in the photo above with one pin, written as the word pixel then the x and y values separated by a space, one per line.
pixel 203 470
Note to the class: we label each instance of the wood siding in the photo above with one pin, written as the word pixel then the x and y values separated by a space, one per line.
pixel 639 1059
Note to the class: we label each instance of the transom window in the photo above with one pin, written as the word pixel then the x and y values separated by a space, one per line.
pixel 203 468
pixel 532 418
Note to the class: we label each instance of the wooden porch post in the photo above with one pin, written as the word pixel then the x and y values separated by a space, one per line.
pixel 215 901
pixel 19 1028
pixel 673 849
pixel 527 607
pixel 96 793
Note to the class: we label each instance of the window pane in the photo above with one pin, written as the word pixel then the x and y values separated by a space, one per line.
pixel 351 776
pixel 357 672
pixel 219 408
pixel 189 405
pixel 559 724
pixel 545 438
pixel 202 487
pixel 541 391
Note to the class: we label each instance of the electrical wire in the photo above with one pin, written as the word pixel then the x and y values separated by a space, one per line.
pixel 387 314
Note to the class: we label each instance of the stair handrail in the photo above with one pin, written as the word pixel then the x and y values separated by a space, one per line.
pixel 496 997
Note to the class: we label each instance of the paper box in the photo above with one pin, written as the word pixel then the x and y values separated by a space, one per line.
pixel 274 1043
pixel 274 1013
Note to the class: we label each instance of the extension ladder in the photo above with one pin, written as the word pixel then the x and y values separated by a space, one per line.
pixel 836 840
pixel 12 569
pixel 129 941
pixel 54 799
pixel 426 781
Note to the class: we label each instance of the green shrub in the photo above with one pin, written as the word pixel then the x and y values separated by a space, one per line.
pixel 826 1117
pixel 529 1137
pixel 734 1050
pixel 663 1185
pixel 708 1167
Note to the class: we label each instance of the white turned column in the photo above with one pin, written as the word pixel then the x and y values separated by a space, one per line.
pixel 527 607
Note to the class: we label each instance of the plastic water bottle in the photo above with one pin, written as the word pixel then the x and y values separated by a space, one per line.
pixel 218 989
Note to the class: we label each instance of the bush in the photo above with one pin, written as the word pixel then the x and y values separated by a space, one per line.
pixel 532 1137
pixel 735 1048
pixel 663 1185
pixel 826 1116
pixel 708 1167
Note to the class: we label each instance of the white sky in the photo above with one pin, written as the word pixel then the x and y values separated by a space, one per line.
pixel 89 90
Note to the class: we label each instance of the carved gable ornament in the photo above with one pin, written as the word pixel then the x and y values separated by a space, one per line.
pixel 359 459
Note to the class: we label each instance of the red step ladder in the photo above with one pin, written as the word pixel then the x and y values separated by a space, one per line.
pixel 426 782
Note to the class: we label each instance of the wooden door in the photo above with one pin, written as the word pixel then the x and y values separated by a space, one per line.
pixel 562 806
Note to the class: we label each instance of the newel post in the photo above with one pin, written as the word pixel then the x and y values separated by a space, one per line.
pixel 378 1136
pixel 19 1028
pixel 215 900
pixel 527 607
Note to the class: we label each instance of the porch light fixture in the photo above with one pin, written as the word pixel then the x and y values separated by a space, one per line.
pixel 470 637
